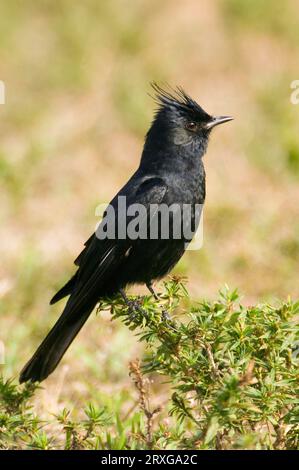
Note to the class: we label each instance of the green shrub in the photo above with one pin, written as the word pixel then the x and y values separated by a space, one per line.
pixel 232 372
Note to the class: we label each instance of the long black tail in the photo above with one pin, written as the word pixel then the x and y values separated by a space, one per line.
pixel 50 352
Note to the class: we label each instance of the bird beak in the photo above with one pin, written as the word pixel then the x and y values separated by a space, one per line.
pixel 216 120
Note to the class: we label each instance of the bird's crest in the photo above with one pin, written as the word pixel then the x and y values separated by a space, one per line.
pixel 177 98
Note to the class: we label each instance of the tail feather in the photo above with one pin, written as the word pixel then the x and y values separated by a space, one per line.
pixel 50 352
pixel 67 289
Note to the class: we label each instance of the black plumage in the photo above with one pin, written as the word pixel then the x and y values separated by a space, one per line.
pixel 171 172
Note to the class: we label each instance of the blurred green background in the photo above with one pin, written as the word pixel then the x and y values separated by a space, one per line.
pixel 77 107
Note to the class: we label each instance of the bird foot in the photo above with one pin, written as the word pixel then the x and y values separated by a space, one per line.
pixel 166 316
pixel 134 307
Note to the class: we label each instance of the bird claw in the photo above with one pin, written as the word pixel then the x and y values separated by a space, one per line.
pixel 134 307
pixel 166 316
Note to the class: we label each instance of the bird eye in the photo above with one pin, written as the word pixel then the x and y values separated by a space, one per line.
pixel 191 126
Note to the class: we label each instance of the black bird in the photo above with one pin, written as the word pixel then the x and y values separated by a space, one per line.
pixel 171 171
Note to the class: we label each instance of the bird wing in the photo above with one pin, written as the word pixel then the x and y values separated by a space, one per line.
pixel 101 258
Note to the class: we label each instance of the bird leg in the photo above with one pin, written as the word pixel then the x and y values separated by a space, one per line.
pixel 133 305
pixel 149 285
pixel 165 314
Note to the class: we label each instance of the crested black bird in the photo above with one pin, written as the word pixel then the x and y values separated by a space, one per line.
pixel 171 171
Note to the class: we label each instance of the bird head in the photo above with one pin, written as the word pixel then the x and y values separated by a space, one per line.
pixel 181 122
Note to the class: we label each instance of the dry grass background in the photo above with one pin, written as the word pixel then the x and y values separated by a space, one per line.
pixel 77 76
